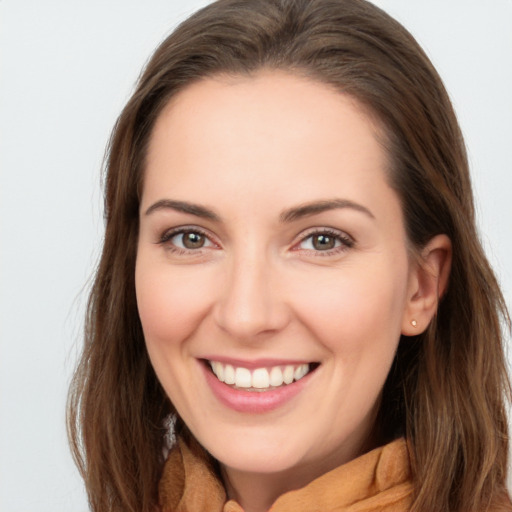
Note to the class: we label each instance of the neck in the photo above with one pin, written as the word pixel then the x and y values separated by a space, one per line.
pixel 256 492
pixel 253 491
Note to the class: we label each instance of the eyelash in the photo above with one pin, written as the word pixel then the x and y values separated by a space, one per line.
pixel 168 235
pixel 346 242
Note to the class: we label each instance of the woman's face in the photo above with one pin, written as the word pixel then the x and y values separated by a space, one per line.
pixel 271 245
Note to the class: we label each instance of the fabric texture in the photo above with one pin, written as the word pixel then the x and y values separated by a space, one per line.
pixel 378 481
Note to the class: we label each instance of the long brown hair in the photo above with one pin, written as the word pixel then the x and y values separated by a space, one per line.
pixel 448 386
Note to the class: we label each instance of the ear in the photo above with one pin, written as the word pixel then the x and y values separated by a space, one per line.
pixel 428 280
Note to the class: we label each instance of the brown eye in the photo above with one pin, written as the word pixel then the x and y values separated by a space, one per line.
pixel 186 239
pixel 193 240
pixel 323 242
pixel 326 241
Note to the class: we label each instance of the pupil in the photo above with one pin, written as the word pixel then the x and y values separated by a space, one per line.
pixel 193 240
pixel 323 242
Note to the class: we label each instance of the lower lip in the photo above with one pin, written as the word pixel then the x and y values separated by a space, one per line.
pixel 255 402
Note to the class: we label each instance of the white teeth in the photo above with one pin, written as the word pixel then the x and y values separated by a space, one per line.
pixel 288 374
pixel 300 371
pixel 218 369
pixel 243 378
pixel 260 378
pixel 229 374
pixel 276 376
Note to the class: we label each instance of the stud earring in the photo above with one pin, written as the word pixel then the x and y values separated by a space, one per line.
pixel 414 323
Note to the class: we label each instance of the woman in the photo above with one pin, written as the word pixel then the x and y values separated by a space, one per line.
pixel 292 297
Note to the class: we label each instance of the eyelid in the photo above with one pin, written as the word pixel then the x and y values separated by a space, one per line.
pixel 347 241
pixel 168 234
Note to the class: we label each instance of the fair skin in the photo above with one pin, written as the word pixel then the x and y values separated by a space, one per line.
pixel 231 268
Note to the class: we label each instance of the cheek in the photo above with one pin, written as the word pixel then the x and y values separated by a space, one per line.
pixel 169 304
pixel 357 308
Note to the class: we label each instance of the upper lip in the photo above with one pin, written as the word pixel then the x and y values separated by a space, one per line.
pixel 256 363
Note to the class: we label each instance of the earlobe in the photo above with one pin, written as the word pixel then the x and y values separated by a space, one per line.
pixel 427 284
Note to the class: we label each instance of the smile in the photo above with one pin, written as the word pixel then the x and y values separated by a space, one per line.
pixel 259 379
pixel 257 387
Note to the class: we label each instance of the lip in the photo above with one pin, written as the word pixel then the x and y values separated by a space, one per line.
pixel 253 402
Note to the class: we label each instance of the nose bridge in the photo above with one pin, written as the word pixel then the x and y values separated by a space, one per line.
pixel 249 304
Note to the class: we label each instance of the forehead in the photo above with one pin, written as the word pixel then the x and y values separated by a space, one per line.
pixel 263 98
pixel 274 133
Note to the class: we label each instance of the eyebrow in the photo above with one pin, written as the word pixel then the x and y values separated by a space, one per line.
pixel 184 207
pixel 316 207
pixel 289 215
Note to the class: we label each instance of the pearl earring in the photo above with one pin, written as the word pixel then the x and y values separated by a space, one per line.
pixel 414 323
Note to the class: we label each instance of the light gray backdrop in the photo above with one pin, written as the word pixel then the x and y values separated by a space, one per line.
pixel 67 67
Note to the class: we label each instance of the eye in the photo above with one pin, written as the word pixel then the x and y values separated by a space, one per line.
pixel 185 239
pixel 320 242
pixel 326 241
pixel 189 240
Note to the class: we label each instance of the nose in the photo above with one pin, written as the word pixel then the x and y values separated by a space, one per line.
pixel 251 302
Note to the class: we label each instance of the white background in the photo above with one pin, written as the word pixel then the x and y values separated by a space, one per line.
pixel 66 69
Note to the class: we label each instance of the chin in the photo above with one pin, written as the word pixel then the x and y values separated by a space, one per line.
pixel 248 454
pixel 259 462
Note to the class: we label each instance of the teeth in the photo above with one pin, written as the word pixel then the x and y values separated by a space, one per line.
pixel 243 378
pixel 218 369
pixel 276 376
pixel 288 374
pixel 260 378
pixel 229 374
pixel 300 371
